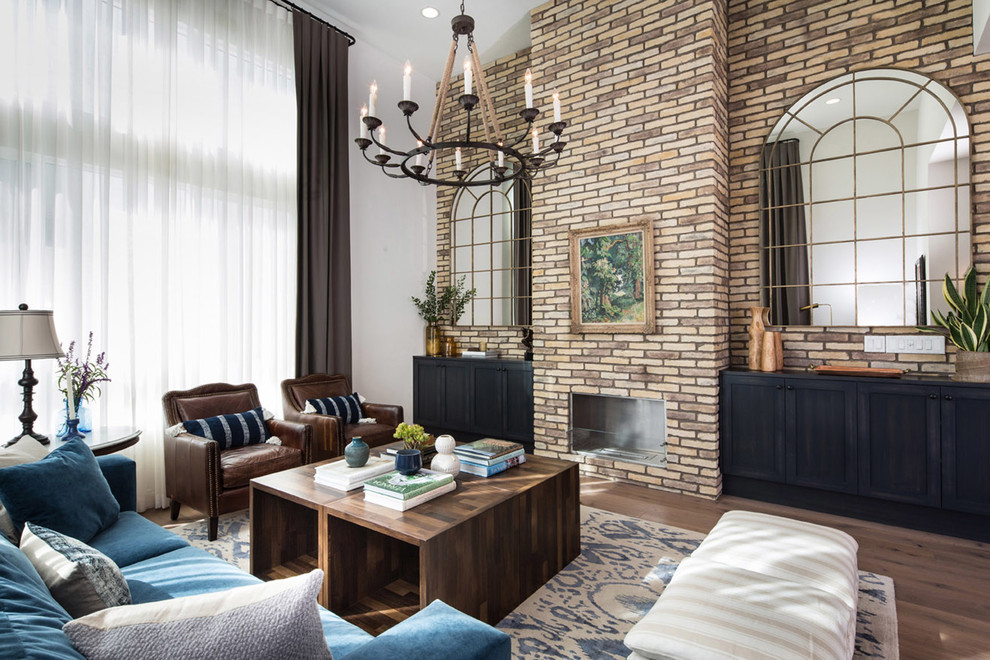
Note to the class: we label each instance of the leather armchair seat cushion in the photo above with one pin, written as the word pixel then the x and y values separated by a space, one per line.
pixel 374 435
pixel 241 465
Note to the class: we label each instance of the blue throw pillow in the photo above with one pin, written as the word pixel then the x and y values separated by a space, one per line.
pixel 238 430
pixel 65 491
pixel 348 408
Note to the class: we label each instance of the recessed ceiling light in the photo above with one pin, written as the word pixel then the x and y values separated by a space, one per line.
pixel 833 101
pixel 430 12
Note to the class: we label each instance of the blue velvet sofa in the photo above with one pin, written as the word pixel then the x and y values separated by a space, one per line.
pixel 160 565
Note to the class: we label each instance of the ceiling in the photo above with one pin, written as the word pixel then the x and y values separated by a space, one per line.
pixel 397 27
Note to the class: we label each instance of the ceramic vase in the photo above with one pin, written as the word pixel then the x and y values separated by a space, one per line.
pixel 773 352
pixel 445 460
pixel 757 329
pixel 432 340
pixel 356 453
pixel 408 461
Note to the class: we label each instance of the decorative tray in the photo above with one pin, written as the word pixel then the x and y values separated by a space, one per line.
pixel 875 372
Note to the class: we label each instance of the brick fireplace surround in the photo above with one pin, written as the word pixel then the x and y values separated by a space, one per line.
pixel 668 105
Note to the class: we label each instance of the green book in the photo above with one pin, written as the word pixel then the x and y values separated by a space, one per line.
pixel 406 487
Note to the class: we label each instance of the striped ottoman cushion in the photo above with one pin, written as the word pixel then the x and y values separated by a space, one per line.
pixel 792 550
pixel 712 610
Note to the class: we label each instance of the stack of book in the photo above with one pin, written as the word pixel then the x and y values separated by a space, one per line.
pixel 340 476
pixel 403 492
pixel 489 456
pixel 486 354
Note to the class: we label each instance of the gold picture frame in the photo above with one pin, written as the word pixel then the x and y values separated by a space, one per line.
pixel 612 279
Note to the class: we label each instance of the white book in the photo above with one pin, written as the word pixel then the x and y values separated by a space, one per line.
pixel 405 505
pixel 341 476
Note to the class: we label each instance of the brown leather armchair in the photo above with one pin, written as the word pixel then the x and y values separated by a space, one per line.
pixel 199 474
pixel 330 434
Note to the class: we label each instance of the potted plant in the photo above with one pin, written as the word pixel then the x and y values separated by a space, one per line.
pixel 79 381
pixel 967 325
pixel 431 308
pixel 455 298
pixel 409 460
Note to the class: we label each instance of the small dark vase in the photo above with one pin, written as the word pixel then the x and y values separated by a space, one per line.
pixel 356 453
pixel 408 461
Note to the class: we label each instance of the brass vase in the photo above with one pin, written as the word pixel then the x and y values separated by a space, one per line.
pixel 432 340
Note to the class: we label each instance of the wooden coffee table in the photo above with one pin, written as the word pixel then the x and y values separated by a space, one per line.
pixel 484 548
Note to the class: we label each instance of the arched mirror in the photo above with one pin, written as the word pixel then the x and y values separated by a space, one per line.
pixel 865 202
pixel 491 240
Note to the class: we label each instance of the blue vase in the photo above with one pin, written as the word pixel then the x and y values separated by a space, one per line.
pixel 356 453
pixel 85 419
pixel 409 461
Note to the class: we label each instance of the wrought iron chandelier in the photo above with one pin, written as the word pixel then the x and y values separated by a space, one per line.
pixel 506 158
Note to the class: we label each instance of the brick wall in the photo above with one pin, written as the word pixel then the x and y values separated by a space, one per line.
pixel 669 104
pixel 781 49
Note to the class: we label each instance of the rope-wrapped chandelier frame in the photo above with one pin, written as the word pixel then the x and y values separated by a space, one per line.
pixel 505 154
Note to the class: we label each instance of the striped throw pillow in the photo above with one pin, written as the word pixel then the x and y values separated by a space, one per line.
pixel 348 408
pixel 239 430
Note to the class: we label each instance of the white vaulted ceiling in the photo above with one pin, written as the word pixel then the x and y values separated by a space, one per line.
pixel 397 27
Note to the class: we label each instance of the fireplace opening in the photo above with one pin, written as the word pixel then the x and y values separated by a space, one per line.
pixel 622 428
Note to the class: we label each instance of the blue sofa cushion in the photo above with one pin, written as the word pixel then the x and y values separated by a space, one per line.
pixel 65 491
pixel 135 538
pixel 189 571
pixel 437 631
pixel 121 474
pixel 30 619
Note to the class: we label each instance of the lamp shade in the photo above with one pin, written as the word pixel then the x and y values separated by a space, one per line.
pixel 28 334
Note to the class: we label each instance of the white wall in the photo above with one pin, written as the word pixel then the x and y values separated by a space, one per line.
pixel 393 237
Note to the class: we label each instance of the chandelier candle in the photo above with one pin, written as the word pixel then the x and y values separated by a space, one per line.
pixel 495 159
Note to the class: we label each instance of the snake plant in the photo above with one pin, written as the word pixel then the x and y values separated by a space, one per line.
pixel 968 322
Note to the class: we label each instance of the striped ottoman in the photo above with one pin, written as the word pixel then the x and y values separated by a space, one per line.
pixel 758 586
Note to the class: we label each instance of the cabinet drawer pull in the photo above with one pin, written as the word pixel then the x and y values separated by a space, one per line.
pixel 780 387
pixel 790 387
pixel 932 396
pixel 948 397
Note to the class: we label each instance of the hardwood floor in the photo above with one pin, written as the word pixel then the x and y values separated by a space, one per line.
pixel 941 583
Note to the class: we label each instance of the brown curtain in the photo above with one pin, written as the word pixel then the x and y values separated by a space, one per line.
pixel 522 276
pixel 323 304
pixel 785 269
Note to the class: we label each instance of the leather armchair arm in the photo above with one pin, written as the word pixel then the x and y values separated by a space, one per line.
pixel 192 472
pixel 326 431
pixel 384 413
pixel 293 434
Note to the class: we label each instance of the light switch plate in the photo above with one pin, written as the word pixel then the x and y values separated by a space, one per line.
pixel 875 344
pixel 917 344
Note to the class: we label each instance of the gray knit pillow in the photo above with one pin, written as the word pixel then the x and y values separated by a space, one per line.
pixel 82 579
pixel 277 619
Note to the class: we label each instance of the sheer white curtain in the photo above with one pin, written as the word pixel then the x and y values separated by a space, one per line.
pixel 148 193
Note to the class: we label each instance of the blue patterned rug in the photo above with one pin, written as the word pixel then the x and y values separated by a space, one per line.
pixel 586 610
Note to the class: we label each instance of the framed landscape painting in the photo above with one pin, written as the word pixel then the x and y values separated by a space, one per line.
pixel 612 279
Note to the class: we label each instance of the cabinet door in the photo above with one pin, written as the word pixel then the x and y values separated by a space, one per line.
pixel 821 434
pixel 427 391
pixel 487 403
pixel 518 402
pixel 966 449
pixel 753 426
pixel 456 395
pixel 899 442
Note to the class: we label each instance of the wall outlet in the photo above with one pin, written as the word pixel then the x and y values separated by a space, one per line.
pixel 918 344
pixel 875 344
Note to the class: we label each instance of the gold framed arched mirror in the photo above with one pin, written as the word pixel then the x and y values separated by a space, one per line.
pixel 491 242
pixel 865 202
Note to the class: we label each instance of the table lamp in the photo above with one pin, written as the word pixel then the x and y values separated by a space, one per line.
pixel 28 335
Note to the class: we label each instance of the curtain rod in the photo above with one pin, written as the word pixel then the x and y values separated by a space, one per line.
pixel 291 5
